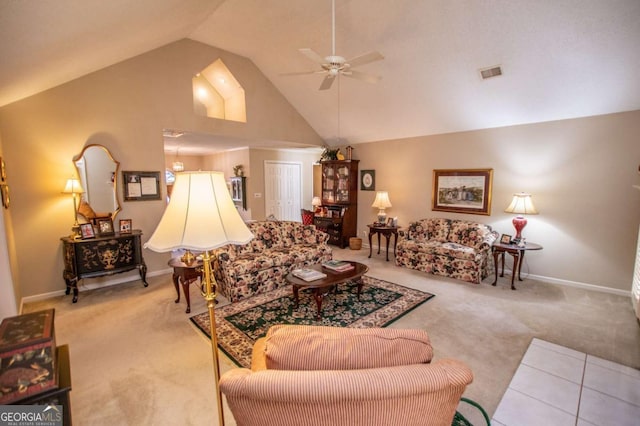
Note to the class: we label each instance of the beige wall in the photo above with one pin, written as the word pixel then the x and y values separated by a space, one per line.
pixel 580 173
pixel 225 161
pixel 191 162
pixel 123 107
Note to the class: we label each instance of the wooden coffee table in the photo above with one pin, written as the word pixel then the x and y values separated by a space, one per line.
pixel 322 286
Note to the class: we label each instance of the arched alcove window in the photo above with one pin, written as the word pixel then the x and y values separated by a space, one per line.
pixel 217 94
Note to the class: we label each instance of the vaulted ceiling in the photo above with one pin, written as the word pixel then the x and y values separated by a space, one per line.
pixel 560 58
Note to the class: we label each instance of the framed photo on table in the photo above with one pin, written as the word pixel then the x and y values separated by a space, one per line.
pixel 86 231
pixel 505 239
pixel 462 191
pixel 125 226
pixel 105 226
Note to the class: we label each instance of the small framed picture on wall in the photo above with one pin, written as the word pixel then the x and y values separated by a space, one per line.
pixel 367 180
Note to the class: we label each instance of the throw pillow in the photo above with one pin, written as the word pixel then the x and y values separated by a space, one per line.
pixel 85 210
pixel 307 217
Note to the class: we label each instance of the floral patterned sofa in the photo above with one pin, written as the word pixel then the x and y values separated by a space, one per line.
pixel 262 264
pixel 453 248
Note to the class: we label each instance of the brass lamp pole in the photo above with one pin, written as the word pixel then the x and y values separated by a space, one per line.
pixel 201 216
pixel 209 291
pixel 74 188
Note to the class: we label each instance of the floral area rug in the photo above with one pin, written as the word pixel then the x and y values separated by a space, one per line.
pixel 240 324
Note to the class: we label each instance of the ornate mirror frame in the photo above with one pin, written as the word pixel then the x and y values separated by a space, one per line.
pixel 88 181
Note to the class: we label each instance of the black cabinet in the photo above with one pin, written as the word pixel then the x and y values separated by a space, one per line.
pixel 97 257
pixel 60 394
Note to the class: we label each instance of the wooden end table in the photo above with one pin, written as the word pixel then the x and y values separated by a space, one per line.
pixel 517 252
pixel 185 274
pixel 387 232
pixel 324 285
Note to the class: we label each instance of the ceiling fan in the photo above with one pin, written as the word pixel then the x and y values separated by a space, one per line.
pixel 335 65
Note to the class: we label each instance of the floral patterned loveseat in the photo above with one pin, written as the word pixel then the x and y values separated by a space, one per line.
pixel 262 264
pixel 453 248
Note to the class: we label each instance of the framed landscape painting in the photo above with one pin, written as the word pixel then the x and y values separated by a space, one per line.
pixel 462 191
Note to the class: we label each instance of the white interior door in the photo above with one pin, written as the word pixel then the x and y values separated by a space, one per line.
pixel 283 189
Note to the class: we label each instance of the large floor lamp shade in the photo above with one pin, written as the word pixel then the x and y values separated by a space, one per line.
pixel 201 216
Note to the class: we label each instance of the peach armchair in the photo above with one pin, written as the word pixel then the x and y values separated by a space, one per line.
pixel 312 375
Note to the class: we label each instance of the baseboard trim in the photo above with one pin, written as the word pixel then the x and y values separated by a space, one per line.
pixel 550 280
pixel 92 286
pixel 593 287
pixel 576 284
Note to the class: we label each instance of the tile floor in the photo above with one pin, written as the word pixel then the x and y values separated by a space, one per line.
pixel 556 386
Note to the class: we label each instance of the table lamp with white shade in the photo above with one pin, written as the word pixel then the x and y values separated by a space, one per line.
pixel 521 204
pixel 316 202
pixel 381 202
pixel 201 216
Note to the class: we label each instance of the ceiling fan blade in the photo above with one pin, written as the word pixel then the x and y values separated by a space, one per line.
pixel 327 82
pixel 286 74
pixel 312 55
pixel 365 59
pixel 362 76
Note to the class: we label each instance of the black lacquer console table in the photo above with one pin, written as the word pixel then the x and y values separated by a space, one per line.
pixel 97 257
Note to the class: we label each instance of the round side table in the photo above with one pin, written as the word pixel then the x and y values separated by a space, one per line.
pixel 517 252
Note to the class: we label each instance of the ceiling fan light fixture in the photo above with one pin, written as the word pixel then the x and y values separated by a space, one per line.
pixel 335 60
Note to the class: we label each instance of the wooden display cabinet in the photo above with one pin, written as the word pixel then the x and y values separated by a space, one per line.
pixel 339 201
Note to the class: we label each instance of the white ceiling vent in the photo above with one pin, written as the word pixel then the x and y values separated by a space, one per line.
pixel 494 71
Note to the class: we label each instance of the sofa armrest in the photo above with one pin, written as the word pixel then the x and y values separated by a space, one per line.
pixel 258 356
pixel 488 241
pixel 403 234
pixel 321 237
pixel 224 254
